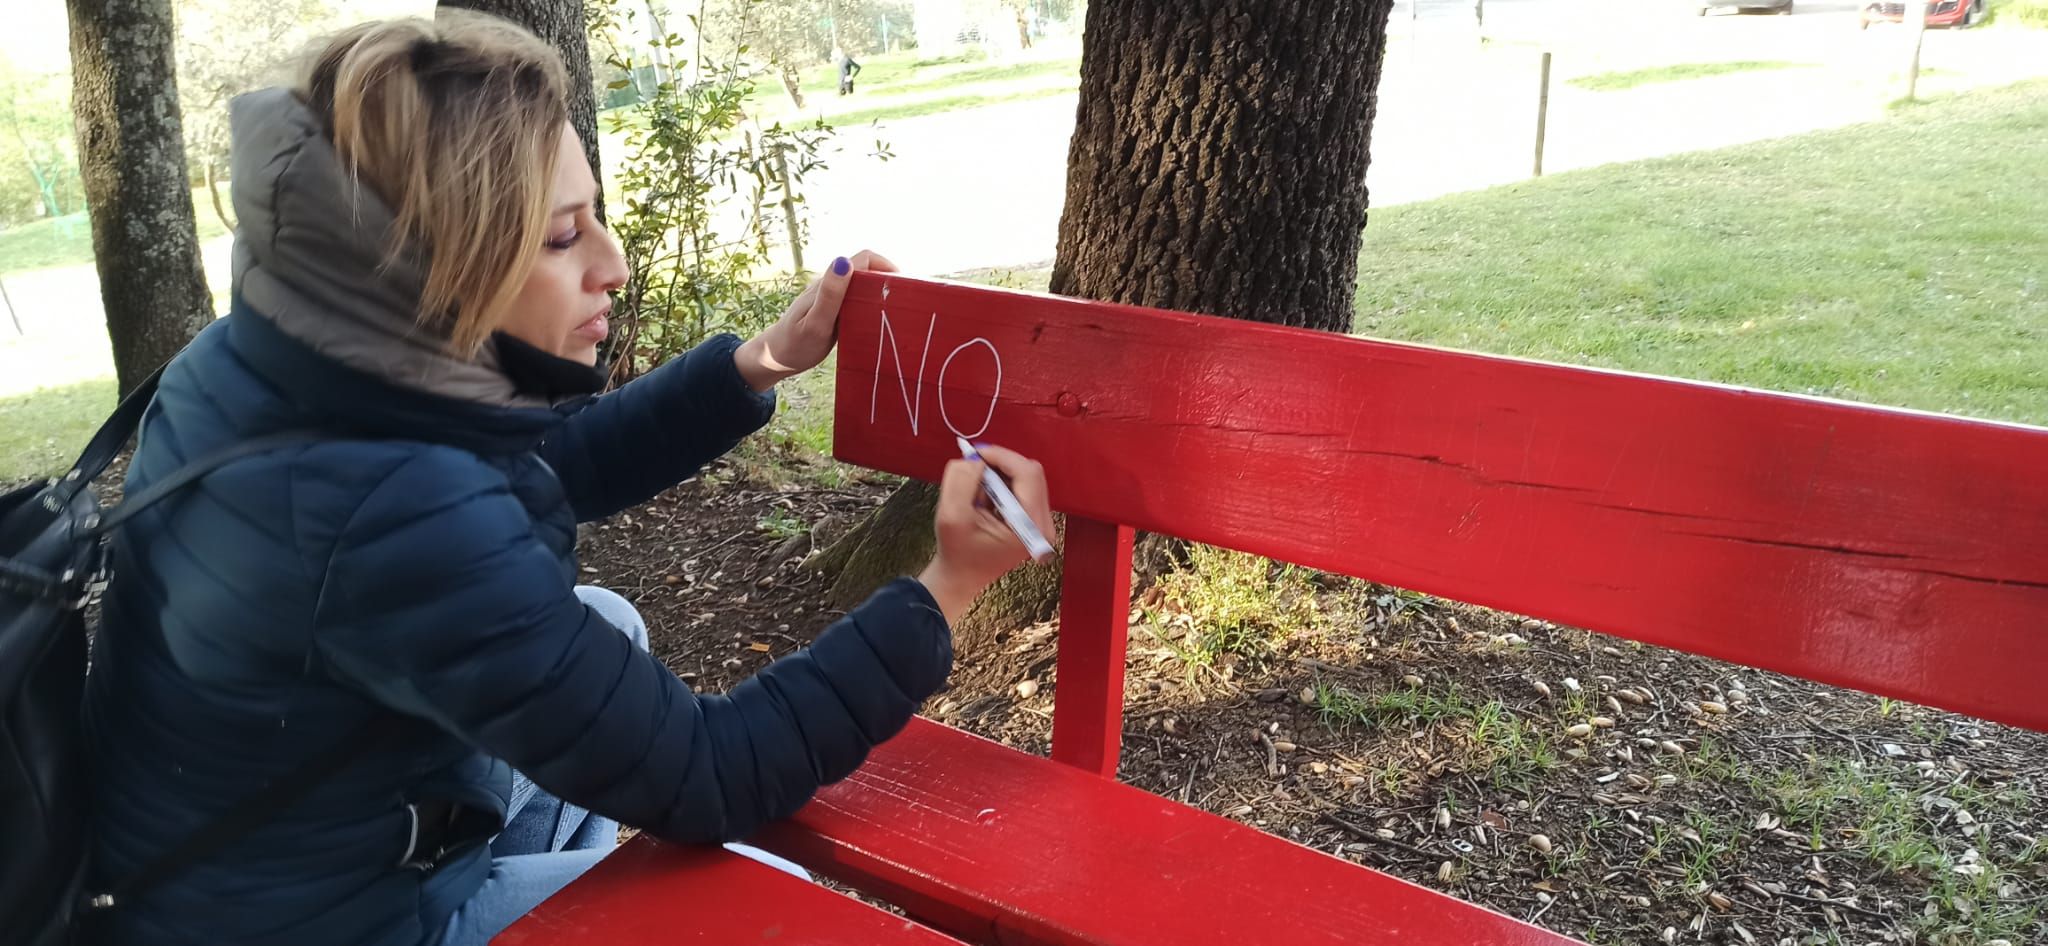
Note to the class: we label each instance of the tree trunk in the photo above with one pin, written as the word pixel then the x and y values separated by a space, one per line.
pixel 1217 166
pixel 131 156
pixel 1218 160
pixel 898 540
pixel 560 24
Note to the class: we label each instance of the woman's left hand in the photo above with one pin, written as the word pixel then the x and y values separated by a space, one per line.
pixel 805 334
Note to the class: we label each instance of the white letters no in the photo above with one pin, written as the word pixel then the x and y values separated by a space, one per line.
pixel 996 392
pixel 913 402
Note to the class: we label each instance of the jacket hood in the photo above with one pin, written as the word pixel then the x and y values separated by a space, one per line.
pixel 312 256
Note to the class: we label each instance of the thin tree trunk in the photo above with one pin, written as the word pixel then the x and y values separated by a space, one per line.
pixel 220 209
pixel 1217 166
pixel 131 156
pixel 560 23
pixel 1916 31
pixel 664 57
pixel 793 84
pixel 46 190
pixel 44 184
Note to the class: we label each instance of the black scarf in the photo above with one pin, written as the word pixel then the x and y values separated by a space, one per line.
pixel 542 374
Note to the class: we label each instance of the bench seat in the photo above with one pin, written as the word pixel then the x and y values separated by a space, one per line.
pixel 650 893
pixel 1001 846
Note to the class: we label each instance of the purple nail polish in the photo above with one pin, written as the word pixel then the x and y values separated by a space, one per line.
pixel 840 266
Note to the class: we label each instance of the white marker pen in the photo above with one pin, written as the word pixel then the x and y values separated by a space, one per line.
pixel 1007 506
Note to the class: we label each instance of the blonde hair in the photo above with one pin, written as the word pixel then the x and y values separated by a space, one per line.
pixel 454 123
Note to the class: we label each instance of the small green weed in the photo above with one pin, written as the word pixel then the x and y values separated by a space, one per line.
pixel 779 523
pixel 1394 709
pixel 1228 602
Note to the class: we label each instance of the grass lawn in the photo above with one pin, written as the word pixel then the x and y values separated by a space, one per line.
pixel 2026 13
pixel 1903 262
pixel 67 240
pixel 44 429
pixel 900 73
pixel 900 85
pixel 990 95
pixel 53 241
pixel 881 71
pixel 1616 81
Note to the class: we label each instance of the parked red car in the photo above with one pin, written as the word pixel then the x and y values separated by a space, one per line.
pixel 1941 14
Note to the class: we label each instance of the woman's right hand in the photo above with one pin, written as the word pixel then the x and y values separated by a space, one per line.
pixel 975 546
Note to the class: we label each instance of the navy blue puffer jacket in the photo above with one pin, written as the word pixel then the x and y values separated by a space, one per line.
pixel 419 564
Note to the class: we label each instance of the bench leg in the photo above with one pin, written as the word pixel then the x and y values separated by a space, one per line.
pixel 1095 607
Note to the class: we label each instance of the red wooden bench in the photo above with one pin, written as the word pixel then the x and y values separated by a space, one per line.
pixel 1899 553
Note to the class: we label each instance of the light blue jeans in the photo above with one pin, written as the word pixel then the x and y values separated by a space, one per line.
pixel 548 842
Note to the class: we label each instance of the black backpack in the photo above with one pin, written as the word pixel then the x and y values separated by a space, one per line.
pixel 54 557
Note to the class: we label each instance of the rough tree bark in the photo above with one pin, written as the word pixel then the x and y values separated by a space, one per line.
pixel 561 24
pixel 1218 162
pixel 1217 166
pixel 131 156
pixel 898 540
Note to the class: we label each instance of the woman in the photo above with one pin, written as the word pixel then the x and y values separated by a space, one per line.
pixel 420 280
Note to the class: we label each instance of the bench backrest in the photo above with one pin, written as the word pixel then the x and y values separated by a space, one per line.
pixel 1901 553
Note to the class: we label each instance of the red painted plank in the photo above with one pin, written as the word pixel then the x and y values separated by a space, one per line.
pixel 1891 551
pixel 648 893
pixel 1008 847
pixel 1095 611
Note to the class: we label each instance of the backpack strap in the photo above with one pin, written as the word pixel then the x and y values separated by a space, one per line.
pixel 97 525
pixel 114 434
pixel 105 445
